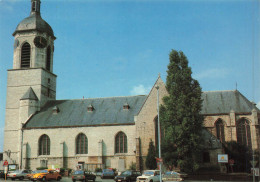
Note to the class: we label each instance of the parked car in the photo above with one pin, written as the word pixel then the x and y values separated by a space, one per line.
pixel 48 174
pixel 90 176
pixel 149 176
pixel 80 175
pixel 108 173
pixel 174 176
pixel 18 174
pixel 29 176
pixel 128 176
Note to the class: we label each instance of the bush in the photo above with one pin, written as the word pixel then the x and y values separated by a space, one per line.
pixel 62 171
pixel 41 168
pixel 209 169
pixel 132 166
pixel 98 170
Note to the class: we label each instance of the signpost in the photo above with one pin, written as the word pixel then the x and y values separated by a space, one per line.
pixel 255 171
pixel 231 163
pixel 5 168
pixel 159 161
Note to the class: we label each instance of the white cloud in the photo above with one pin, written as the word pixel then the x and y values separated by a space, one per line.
pixel 140 90
pixel 258 105
pixel 212 73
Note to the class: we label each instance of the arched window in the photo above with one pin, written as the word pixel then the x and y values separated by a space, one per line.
pixel 220 131
pixel 26 55
pixel 44 145
pixel 48 59
pixel 121 143
pixel 81 144
pixel 34 6
pixel 243 133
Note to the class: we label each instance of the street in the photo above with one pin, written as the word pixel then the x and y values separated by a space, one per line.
pixel 98 179
pixel 64 179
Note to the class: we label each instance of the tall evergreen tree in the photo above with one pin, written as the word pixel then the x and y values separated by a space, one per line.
pixel 180 116
pixel 150 159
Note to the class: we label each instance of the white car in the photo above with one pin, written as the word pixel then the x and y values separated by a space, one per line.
pixel 174 176
pixel 149 176
pixel 18 174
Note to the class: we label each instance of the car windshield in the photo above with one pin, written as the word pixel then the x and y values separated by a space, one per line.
pixel 148 173
pixel 168 172
pixel 79 172
pixel 171 172
pixel 17 171
pixel 126 173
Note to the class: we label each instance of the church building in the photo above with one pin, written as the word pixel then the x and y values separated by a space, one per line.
pixel 112 132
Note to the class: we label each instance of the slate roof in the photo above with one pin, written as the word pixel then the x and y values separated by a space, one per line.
pixel 109 111
pixel 29 95
pixel 222 102
pixel 74 113
pixel 34 22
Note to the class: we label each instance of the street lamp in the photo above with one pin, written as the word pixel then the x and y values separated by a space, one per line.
pixel 159 133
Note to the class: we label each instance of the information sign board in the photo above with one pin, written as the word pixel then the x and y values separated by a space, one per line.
pixel 222 158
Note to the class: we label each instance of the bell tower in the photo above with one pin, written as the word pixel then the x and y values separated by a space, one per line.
pixel 31 82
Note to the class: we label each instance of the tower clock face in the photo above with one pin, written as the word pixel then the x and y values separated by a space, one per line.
pixel 40 42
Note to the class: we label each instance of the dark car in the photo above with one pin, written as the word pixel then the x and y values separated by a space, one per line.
pixel 80 175
pixel 108 173
pixel 128 176
pixel 90 176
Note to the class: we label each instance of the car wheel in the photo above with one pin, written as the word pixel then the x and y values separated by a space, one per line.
pixel 58 179
pixel 44 179
pixel 13 179
pixel 74 180
pixel 151 180
pixel 21 178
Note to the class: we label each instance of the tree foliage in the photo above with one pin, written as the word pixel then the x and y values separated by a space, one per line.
pixel 150 159
pixel 180 116
pixel 241 156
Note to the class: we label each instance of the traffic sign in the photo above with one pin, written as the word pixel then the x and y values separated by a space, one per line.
pixel 5 163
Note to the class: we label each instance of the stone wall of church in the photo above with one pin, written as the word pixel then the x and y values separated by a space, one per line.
pixel 63 146
pixel 230 130
pixel 18 83
pixel 145 121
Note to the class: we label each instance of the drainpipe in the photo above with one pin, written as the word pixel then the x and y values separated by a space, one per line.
pixel 21 158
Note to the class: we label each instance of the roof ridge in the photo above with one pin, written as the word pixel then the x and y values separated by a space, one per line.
pixel 220 91
pixel 100 98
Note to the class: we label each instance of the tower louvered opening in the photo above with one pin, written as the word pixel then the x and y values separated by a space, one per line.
pixel 26 55
pixel 48 61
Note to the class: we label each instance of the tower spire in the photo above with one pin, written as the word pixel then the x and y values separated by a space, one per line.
pixel 36 7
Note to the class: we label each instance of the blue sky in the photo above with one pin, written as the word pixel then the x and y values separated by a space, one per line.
pixel 108 48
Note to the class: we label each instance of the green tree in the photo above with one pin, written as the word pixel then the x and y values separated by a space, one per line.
pixel 150 161
pixel 180 116
pixel 241 156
